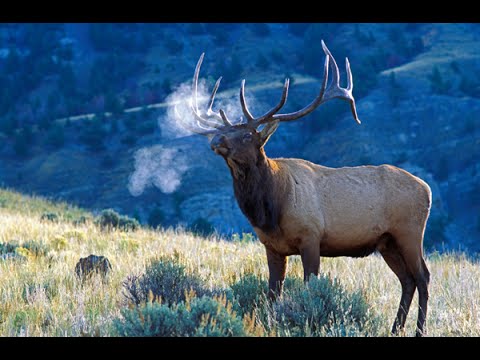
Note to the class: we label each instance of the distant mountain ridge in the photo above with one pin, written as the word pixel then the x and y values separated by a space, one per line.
pixel 417 89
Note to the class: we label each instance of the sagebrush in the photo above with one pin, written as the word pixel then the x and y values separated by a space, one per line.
pixel 40 294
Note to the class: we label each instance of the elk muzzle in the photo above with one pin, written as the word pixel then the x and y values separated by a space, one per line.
pixel 219 144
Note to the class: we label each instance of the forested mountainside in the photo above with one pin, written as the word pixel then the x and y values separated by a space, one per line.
pixel 416 85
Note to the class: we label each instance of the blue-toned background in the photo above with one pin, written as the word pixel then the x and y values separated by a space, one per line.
pixel 417 88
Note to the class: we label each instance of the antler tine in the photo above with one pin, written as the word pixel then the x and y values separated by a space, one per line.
pixel 245 110
pixel 261 119
pixel 197 130
pixel 212 97
pixel 221 115
pixel 194 105
pixel 316 102
pixel 326 93
pixel 349 76
pixel 282 102
pixel 349 89
pixel 334 90
pixel 217 121
pixel 335 72
pixel 203 121
pixel 195 81
pixel 325 77
pixel 225 119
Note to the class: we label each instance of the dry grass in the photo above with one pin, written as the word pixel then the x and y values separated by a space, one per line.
pixel 40 295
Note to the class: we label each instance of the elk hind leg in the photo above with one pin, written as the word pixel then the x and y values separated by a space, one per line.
pixel 391 254
pixel 413 255
pixel 422 279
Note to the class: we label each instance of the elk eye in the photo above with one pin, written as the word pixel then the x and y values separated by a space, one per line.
pixel 247 137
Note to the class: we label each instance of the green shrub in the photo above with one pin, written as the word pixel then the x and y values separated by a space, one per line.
pixel 201 227
pixel 50 216
pixel 245 237
pixel 164 278
pixel 320 308
pixel 250 292
pixel 110 219
pixel 127 223
pixel 37 248
pixel 203 316
pixel 31 288
pixel 28 248
pixel 56 136
pixel 21 142
pixel 156 217
pixel 435 231
pixel 395 90
pixel 7 248
pixel 93 133
pixel 151 319
pixel 438 84
pixel 81 220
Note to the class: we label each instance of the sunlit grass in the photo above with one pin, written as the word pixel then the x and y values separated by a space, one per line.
pixel 35 205
pixel 40 295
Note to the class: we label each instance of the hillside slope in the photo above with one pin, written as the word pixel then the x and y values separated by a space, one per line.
pixel 417 91
pixel 41 295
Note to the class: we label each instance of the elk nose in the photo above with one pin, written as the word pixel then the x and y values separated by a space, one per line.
pixel 218 141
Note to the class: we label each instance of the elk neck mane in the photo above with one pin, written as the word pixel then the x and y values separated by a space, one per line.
pixel 257 191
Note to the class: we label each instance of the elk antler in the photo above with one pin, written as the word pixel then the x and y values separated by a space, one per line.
pixel 210 119
pixel 212 122
pixel 333 91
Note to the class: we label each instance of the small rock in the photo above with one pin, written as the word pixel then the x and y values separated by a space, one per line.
pixel 91 264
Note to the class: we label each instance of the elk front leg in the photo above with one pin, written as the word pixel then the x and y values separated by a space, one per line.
pixel 311 261
pixel 277 267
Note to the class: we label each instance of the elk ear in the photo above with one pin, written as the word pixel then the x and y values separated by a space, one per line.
pixel 267 131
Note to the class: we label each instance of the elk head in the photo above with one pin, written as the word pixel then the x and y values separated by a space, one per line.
pixel 242 143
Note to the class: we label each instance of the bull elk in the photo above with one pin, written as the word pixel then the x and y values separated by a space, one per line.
pixel 300 208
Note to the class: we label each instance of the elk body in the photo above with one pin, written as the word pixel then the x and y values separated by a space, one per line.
pixel 300 208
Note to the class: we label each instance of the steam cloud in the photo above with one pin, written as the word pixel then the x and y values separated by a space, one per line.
pixel 157 166
pixel 181 99
pixel 163 167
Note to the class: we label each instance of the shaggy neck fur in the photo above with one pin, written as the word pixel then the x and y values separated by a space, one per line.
pixel 255 190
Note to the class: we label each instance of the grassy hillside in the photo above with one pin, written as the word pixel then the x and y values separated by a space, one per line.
pixel 83 100
pixel 14 202
pixel 40 294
